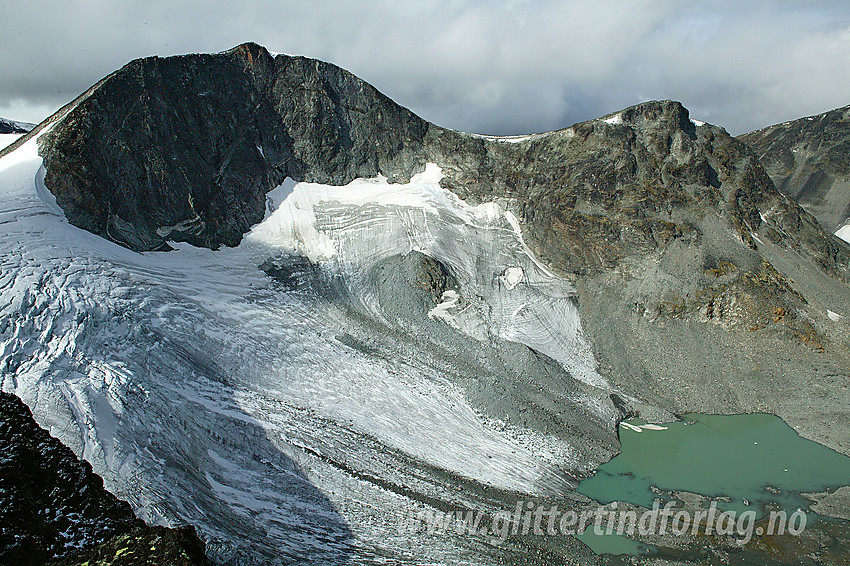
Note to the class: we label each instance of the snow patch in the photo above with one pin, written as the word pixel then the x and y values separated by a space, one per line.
pixel 276 196
pixel 844 233
pixel 506 139
pixel 833 316
pixel 512 277
pixel 448 301
pixel 615 119
pixel 487 212
pixel 512 139
pixel 8 139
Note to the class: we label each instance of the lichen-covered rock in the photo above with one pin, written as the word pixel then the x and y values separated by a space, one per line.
pixel 142 547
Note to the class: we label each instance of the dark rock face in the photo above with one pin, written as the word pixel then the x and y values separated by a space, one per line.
pixel 809 160
pixel 185 148
pixel 53 506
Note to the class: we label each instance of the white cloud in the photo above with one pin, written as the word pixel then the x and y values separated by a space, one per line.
pixel 24 110
pixel 496 67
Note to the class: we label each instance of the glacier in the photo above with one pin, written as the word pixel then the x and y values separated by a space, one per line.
pixel 294 397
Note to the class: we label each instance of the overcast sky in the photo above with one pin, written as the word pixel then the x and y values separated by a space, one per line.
pixel 498 67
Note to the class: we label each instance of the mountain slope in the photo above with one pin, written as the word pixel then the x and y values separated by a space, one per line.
pixel 377 315
pixel 639 187
pixel 808 161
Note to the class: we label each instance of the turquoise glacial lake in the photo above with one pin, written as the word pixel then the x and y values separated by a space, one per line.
pixel 744 461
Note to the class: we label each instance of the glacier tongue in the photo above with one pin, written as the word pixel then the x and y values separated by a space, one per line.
pixel 285 422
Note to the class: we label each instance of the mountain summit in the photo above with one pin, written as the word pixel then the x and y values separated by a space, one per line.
pixel 186 148
pixel 675 223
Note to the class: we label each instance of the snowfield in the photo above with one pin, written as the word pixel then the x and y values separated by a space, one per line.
pixel 8 139
pixel 284 423
pixel 843 232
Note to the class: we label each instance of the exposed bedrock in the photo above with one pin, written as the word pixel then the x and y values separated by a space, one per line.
pixel 809 160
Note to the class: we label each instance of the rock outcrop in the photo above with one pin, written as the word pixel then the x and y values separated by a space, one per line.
pixel 53 507
pixel 809 160
pixel 185 148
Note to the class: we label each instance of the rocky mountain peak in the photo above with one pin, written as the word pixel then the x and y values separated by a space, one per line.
pixel 186 148
pixel 251 51
pixel 660 115
pixel 202 138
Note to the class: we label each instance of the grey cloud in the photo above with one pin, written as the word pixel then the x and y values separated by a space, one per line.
pixel 493 67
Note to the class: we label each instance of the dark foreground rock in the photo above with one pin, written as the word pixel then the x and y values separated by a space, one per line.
pixel 809 160
pixel 52 506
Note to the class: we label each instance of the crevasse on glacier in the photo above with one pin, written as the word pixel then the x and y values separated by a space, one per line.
pixel 303 420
